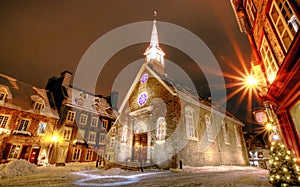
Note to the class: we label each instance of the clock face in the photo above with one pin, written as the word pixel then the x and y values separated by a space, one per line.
pixel 142 98
pixel 144 78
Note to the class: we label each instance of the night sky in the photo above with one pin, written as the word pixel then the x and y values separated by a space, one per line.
pixel 41 39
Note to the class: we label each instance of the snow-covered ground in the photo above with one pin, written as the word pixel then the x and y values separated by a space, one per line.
pixel 85 174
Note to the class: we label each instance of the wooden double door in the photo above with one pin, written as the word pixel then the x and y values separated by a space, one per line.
pixel 140 147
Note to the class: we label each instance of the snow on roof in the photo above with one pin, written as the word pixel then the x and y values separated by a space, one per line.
pixel 22 96
pixel 89 102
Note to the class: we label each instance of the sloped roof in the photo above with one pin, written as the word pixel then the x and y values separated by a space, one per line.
pixel 22 96
pixel 87 101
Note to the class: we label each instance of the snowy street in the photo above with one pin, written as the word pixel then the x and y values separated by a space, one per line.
pixel 83 175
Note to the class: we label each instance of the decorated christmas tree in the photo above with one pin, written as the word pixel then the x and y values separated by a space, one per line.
pixel 284 170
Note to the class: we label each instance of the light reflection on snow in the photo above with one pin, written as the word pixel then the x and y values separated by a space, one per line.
pixel 130 179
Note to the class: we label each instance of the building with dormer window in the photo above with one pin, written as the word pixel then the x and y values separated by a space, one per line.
pixel 27 121
pixel 84 121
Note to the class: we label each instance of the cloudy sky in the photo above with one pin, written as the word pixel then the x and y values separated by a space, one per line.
pixel 41 39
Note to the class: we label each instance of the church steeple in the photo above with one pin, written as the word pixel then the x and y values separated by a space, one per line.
pixel 154 54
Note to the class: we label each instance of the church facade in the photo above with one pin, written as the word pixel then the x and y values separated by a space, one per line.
pixel 162 123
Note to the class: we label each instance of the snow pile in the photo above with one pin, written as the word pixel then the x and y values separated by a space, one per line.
pixel 17 168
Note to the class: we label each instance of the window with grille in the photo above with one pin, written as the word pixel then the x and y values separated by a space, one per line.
pixel 161 128
pixel 42 128
pixel 281 15
pixel 3 120
pixel 38 105
pixel 24 124
pixel 251 11
pixel 66 133
pixel 14 151
pixel 190 123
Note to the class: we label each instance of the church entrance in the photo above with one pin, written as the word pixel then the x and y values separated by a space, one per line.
pixel 140 147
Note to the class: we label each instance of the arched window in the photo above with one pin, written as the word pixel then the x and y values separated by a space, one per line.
pixel 225 132
pixel 190 123
pixel 208 128
pixel 161 128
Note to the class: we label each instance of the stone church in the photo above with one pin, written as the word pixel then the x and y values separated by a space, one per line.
pixel 162 123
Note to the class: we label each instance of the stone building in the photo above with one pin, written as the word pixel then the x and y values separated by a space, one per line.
pixel 162 123
pixel 272 27
pixel 84 122
pixel 27 121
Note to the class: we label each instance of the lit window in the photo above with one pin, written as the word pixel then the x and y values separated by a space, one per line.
pixel 113 130
pixel 105 123
pixel 190 124
pixel 42 128
pixel 270 63
pixel 76 154
pixel 89 155
pixel 260 155
pixel 237 135
pixel 14 151
pixel 144 78
pixel 71 116
pixel 161 128
pixel 281 15
pixel 251 11
pixel 3 120
pixel 124 134
pixel 24 124
pixel 94 122
pixel 83 119
pixel 66 133
pixel 225 131
pixel 208 129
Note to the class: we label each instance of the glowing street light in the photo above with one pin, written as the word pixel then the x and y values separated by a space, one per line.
pixel 251 81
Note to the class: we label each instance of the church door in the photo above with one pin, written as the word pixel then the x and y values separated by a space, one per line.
pixel 140 147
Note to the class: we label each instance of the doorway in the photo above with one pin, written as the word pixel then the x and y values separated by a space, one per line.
pixel 140 147
pixel 34 155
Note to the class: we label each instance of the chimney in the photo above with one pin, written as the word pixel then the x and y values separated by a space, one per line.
pixel 66 76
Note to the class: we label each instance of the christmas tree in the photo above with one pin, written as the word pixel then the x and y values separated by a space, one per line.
pixel 284 170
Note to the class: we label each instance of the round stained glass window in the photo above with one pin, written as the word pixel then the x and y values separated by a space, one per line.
pixel 144 78
pixel 142 98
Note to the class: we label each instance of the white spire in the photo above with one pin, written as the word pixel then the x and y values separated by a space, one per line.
pixel 154 52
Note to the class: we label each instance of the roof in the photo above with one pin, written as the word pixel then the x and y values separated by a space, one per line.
pixel 22 96
pixel 86 101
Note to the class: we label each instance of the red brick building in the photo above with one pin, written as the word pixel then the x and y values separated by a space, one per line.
pixel 27 121
pixel 272 27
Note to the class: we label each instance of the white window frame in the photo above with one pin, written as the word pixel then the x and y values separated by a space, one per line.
pixel 237 135
pixel 83 119
pixel 105 123
pixel 4 120
pixel 71 116
pixel 161 128
pixel 24 122
pixel 14 152
pixel 76 154
pixel 270 64
pixel 40 132
pixel 89 155
pixel 92 136
pixel 94 121
pixel 208 129
pixel 38 105
pixel 102 138
pixel 190 123
pixel 285 33
pixel 225 132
